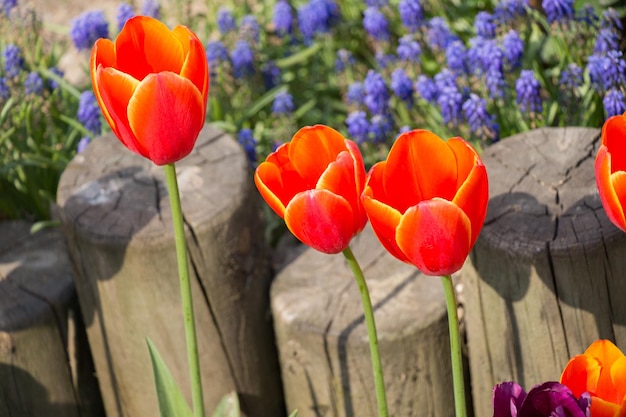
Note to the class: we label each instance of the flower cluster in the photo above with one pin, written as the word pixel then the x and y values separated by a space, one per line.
pixel 592 383
pixel 39 116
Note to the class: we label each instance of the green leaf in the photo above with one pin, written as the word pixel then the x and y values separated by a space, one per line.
pixel 294 414
pixel 171 400
pixel 228 406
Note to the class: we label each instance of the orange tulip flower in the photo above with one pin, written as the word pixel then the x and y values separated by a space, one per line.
pixel 600 371
pixel 314 183
pixel 152 85
pixel 611 169
pixel 428 201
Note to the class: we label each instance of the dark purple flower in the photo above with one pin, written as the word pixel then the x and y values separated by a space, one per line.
pixel 344 59
pixel 613 102
pixel 426 88
pixel 151 8
pixel 87 28
pixel 271 74
pixel 356 93
pixel 82 144
pixel 445 78
pixel 358 126
pixel 408 49
pixel 216 52
pixel 52 83
pixel 485 25
pixel 384 60
pixel 317 16
pixel 225 20
pixel 376 3
pixel 7 6
pixel 513 49
pixel 494 81
pixel 558 10
pixel 475 112
pixel 571 77
pixel 549 399
pixel 456 57
pixel 439 34
pixel 610 18
pixel 33 84
pixel 376 93
pixel 509 10
pixel 283 103
pixel 249 28
pixel 607 40
pixel 124 12
pixel 402 86
pixel 247 141
pixel 283 18
pixel 13 61
pixel 5 91
pixel 411 14
pixel 89 112
pixel 242 59
pixel 375 24
pixel 528 92
pixel 380 128
pixel 450 101
pixel 615 71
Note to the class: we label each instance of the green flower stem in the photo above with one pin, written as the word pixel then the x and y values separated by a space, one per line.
pixel 185 291
pixel 455 347
pixel 368 311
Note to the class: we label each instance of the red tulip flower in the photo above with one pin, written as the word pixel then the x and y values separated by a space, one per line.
pixel 600 371
pixel 152 85
pixel 611 169
pixel 427 202
pixel 314 183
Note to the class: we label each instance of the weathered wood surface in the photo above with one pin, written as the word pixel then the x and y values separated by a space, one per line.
pixel 323 344
pixel 45 365
pixel 116 213
pixel 548 273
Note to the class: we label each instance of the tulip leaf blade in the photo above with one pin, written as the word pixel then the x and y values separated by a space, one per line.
pixel 171 400
pixel 228 406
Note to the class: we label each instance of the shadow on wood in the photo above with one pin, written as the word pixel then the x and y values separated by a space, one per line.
pixel 546 277
pixel 116 215
pixel 323 344
pixel 45 364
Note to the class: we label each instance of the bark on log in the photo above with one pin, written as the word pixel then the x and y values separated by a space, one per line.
pixel 547 275
pixel 45 365
pixel 323 344
pixel 116 213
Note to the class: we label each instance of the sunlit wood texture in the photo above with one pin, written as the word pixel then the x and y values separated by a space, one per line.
pixel 323 344
pixel 116 214
pixel 45 364
pixel 548 274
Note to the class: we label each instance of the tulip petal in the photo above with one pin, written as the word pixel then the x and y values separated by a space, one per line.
pixel 115 89
pixel 384 220
pixel 435 235
pixel 195 67
pixel 420 166
pixel 284 182
pixel 148 46
pixel 321 220
pixel 267 178
pixel 312 148
pixel 102 54
pixel 339 179
pixel 466 158
pixel 166 113
pixel 602 408
pixel 618 378
pixel 473 198
pixel 614 138
pixel 581 374
pixel 610 199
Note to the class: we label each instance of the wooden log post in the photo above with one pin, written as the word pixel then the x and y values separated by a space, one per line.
pixel 45 364
pixel 548 273
pixel 323 344
pixel 117 218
